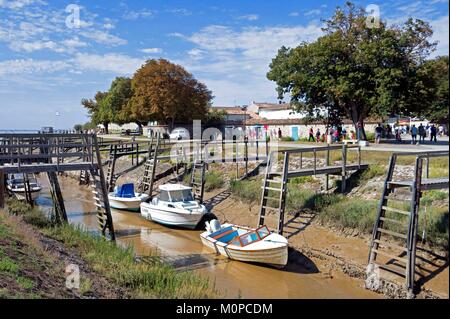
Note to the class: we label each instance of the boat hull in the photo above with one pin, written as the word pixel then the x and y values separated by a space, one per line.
pixel 20 195
pixel 170 218
pixel 129 204
pixel 276 254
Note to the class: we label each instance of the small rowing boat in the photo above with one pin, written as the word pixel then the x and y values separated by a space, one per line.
pixel 124 198
pixel 257 245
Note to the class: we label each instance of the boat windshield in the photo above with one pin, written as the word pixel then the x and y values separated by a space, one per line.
pixel 184 195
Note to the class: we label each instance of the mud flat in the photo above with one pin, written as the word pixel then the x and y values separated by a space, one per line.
pixel 304 277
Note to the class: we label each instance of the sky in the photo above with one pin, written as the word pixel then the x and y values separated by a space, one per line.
pixel 50 60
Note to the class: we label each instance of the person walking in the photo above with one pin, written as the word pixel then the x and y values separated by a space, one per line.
pixel 311 135
pixel 422 133
pixel 433 133
pixel 318 135
pixel 336 135
pixel 414 134
pixel 441 130
pixel 344 133
pixel 378 131
pixel 280 135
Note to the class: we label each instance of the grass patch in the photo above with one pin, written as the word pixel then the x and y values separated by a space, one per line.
pixel 25 283
pixel 31 215
pixel 8 265
pixel 213 180
pixel 118 264
pixel 249 191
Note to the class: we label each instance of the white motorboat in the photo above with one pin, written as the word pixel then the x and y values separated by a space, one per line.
pixel 246 244
pixel 174 206
pixel 16 185
pixel 125 198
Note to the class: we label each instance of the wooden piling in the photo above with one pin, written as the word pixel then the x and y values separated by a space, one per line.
pixel 58 200
pixel 344 164
pixel 2 189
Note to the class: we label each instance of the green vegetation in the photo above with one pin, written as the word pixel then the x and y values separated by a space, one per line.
pixel 354 71
pixel 213 180
pixel 287 139
pixel 249 191
pixel 118 264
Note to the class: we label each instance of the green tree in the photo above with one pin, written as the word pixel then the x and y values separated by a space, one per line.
pixel 354 70
pixel 167 93
pixel 96 109
pixel 434 88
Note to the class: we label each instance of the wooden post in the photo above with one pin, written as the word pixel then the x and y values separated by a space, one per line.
pixel 344 164
pixel 246 154
pixel 58 200
pixel 257 150
pixel 327 176
pixel 2 189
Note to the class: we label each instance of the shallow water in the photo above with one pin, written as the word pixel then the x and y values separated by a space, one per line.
pixel 302 278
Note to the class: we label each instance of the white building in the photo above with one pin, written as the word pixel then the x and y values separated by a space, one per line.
pixel 274 111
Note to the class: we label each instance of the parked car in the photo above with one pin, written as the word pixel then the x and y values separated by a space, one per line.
pixel 179 134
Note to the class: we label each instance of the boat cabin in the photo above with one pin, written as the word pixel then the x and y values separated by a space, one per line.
pixel 16 181
pixel 175 193
pixel 124 191
pixel 240 236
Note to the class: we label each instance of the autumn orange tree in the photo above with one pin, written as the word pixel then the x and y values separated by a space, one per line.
pixel 167 93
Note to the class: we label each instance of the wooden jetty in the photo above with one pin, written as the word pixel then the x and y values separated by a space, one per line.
pixel 52 154
pixel 402 257
pixel 274 187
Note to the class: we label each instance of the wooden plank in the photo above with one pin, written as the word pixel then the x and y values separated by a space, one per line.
pixel 395 210
pixel 392 233
pixel 383 253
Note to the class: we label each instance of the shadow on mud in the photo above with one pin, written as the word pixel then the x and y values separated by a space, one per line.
pixel 300 264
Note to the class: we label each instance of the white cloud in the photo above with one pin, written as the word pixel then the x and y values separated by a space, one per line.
pixel 234 63
pixel 151 50
pixel 103 37
pixel 294 14
pixel 440 28
pixel 249 17
pixel 134 15
pixel 112 62
pixel 16 4
pixel 312 12
pixel 180 11
pixel 29 66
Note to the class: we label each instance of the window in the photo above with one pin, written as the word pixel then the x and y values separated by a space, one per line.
pixel 263 232
pixel 164 196
pixel 249 238
pixel 181 195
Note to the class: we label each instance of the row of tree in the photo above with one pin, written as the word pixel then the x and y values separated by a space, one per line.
pixel 356 70
pixel 159 91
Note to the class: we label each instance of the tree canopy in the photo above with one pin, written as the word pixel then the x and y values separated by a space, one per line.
pixel 354 70
pixel 159 91
pixel 167 93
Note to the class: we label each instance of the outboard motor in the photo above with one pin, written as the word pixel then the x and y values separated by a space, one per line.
pixel 214 225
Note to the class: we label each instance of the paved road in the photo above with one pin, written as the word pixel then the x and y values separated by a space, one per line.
pixel 385 146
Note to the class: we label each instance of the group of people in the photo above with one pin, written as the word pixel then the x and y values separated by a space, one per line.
pixel 336 133
pixel 418 134
pixel 422 132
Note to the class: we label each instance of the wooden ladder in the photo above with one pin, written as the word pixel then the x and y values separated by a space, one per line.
pixel 27 188
pixel 110 175
pixel 405 232
pixel 198 180
pixel 148 180
pixel 273 196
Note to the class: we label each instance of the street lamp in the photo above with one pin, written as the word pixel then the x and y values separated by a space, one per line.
pixel 244 108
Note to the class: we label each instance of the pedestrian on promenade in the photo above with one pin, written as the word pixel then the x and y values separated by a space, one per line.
pixel 378 131
pixel 413 134
pixel 433 133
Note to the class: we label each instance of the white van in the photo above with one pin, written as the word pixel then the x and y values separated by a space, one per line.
pixel 179 134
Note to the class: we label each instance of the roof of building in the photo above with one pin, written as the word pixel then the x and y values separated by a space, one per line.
pixel 231 110
pixel 273 106
pixel 263 121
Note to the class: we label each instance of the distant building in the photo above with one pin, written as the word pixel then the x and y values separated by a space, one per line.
pixel 233 113
pixel 274 111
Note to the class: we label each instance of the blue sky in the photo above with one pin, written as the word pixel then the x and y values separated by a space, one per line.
pixel 47 66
